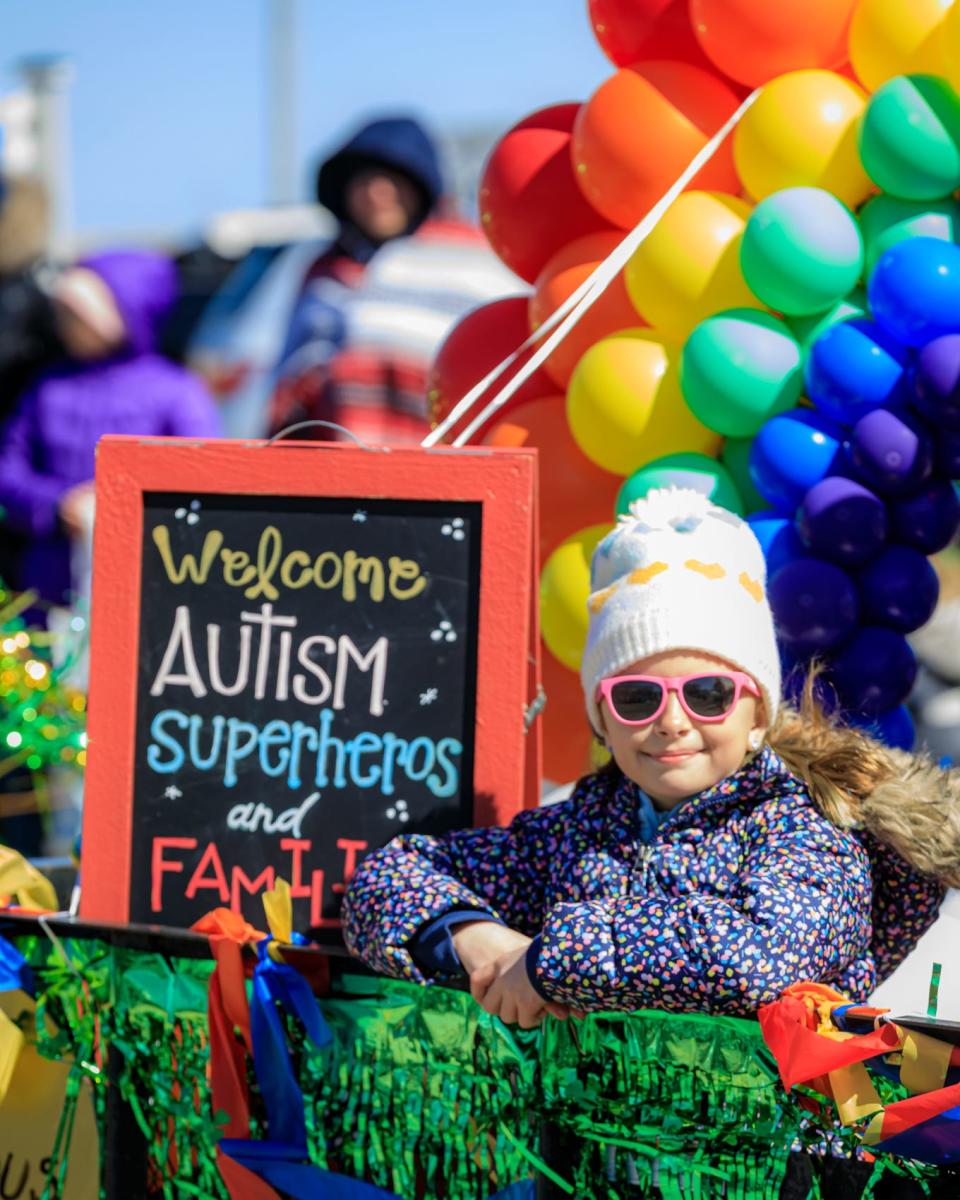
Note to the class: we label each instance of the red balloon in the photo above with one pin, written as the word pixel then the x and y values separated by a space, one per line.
pixel 629 30
pixel 573 491
pixel 566 732
pixel 479 342
pixel 561 276
pixel 530 204
pixel 640 129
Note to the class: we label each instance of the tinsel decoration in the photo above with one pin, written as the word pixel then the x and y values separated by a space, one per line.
pixel 42 715
pixel 423 1094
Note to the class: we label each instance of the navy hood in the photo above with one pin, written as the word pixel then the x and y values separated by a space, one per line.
pixel 400 143
pixel 145 287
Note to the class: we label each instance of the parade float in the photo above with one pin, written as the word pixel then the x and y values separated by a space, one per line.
pixel 744 277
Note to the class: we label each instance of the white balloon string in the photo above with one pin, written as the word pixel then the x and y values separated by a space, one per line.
pixel 569 313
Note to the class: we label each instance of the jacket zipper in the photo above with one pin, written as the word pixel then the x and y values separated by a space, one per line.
pixel 643 862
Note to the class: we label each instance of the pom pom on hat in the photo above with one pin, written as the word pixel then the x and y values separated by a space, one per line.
pixel 679 573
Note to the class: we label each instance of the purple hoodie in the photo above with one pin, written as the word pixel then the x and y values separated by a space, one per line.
pixel 49 443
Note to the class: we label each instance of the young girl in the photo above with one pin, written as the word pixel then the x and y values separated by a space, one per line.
pixel 720 858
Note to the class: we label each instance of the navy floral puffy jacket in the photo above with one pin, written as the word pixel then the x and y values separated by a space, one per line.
pixel 739 892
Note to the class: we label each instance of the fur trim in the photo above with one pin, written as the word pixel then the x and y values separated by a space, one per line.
pixel 24 224
pixel 917 813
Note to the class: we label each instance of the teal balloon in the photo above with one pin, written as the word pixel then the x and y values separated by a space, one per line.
pixel 910 137
pixel 886 220
pixel 807 329
pixel 738 368
pixel 686 470
pixel 735 456
pixel 801 251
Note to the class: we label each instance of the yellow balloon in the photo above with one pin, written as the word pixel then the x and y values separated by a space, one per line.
pixel 802 132
pixel 896 37
pixel 689 266
pixel 564 590
pixel 624 403
pixel 950 45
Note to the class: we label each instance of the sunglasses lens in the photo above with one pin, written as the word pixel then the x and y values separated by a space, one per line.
pixel 635 699
pixel 710 695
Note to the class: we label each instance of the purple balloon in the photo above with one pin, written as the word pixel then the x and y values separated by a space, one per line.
pixel 936 381
pixel 894 728
pixel 814 605
pixel 891 455
pixel 841 520
pixel 946 454
pixel 899 589
pixel 875 671
pixel 927 521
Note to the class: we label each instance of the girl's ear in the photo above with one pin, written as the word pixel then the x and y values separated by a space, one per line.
pixel 759 729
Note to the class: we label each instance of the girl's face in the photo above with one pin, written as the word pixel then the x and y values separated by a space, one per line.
pixel 676 756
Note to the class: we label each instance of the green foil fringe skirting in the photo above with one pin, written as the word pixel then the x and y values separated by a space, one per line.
pixel 425 1095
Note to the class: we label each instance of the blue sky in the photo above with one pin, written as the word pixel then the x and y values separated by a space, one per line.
pixel 168 98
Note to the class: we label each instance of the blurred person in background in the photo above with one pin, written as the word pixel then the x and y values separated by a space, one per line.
pixel 375 305
pixel 109 312
pixel 29 341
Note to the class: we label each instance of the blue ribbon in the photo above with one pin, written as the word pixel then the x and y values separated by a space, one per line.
pixel 15 974
pixel 283 1167
pixel 277 983
pixel 936 1141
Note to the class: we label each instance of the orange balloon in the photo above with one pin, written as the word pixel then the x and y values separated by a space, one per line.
pixel 562 275
pixel 641 128
pixel 754 41
pixel 566 732
pixel 573 491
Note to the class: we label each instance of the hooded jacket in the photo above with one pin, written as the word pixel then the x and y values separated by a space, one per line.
pixel 49 443
pixel 738 893
pixel 371 315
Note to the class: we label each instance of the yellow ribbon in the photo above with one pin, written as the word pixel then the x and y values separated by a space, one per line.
pixel 278 906
pixel 925 1061
pixel 24 883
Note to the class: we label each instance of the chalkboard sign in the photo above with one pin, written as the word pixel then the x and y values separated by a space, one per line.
pixel 307 670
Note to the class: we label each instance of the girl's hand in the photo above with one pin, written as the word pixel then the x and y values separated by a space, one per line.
pixel 502 988
pixel 480 942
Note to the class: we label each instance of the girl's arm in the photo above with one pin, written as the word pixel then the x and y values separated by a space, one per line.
pixel 413 880
pixel 29 498
pixel 801 911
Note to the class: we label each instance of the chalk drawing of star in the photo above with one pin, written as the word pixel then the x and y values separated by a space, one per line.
pixel 429 696
pixel 173 792
pixel 360 516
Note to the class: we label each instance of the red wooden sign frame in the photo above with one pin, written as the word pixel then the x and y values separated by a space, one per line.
pixel 506 760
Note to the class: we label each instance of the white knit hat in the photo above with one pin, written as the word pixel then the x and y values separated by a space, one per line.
pixel 679 573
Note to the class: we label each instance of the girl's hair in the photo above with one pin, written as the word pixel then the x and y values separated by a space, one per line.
pixel 903 800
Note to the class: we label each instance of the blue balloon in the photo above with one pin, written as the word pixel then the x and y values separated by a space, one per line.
pixel 914 291
pixel 875 671
pixel 899 589
pixel 854 367
pixel 778 539
pixel 895 727
pixel 929 520
pixel 946 454
pixel 814 605
pixel 791 453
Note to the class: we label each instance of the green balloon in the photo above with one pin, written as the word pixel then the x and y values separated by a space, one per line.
pixel 886 220
pixel 738 368
pixel 910 137
pixel 735 456
pixel 807 329
pixel 801 251
pixel 687 470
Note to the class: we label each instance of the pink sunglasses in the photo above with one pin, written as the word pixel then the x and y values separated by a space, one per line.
pixel 640 699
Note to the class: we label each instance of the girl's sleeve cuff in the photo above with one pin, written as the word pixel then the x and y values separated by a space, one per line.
pixel 532 956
